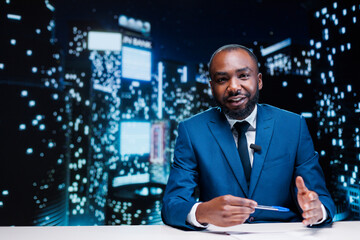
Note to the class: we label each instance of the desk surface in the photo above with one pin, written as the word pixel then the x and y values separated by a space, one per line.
pixel 268 231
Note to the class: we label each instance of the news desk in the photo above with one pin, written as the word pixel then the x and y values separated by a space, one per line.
pixel 264 231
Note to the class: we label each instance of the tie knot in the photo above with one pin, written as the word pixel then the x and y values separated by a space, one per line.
pixel 241 127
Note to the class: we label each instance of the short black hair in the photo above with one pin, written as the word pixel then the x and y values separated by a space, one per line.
pixel 232 47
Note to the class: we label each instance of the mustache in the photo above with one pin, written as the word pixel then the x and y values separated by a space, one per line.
pixel 237 93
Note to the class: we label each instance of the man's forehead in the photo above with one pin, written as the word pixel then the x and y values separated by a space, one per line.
pixel 241 53
pixel 225 57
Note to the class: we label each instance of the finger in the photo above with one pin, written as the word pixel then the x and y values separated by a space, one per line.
pixel 238 201
pixel 309 221
pixel 236 210
pixel 313 196
pixel 311 205
pixel 238 219
pixel 311 213
pixel 300 184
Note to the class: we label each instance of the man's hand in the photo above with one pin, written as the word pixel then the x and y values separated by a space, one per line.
pixel 309 203
pixel 225 211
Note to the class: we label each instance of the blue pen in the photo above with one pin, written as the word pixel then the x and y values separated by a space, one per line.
pixel 272 208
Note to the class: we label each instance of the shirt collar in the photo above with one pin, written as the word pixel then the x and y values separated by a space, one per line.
pixel 251 119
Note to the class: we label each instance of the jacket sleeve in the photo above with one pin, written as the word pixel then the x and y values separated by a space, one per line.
pixel 308 167
pixel 179 194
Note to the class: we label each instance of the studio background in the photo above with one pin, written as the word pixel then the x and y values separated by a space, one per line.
pixel 91 93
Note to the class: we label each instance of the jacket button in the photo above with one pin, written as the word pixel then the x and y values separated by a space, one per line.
pixel 251 219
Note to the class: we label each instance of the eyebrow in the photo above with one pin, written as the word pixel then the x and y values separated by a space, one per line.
pixel 244 69
pixel 237 71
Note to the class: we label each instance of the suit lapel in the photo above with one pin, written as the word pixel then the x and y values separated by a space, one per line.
pixel 264 132
pixel 221 131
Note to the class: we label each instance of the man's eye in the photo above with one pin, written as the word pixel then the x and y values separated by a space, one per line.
pixel 220 80
pixel 244 75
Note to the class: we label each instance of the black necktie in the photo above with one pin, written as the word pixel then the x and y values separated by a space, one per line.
pixel 241 128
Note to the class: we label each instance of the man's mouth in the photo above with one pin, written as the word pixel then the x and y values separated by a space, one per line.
pixel 236 98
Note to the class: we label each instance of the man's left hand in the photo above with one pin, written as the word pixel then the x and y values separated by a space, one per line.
pixel 309 203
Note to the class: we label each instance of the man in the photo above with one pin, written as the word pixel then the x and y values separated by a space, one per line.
pixel 212 154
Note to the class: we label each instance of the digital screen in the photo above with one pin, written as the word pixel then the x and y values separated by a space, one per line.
pixel 136 64
pixel 104 41
pixel 135 138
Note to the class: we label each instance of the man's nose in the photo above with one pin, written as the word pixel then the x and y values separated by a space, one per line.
pixel 234 84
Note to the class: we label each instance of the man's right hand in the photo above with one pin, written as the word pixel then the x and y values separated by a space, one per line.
pixel 225 211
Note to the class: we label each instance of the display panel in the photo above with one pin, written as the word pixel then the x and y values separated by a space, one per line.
pixel 104 41
pixel 135 138
pixel 136 64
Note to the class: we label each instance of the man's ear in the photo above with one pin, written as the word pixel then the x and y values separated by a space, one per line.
pixel 211 86
pixel 260 82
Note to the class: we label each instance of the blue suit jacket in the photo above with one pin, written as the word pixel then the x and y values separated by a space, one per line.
pixel 206 158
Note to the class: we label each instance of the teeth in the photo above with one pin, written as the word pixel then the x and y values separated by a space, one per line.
pixel 235 99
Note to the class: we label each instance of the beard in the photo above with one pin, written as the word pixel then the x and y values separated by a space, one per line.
pixel 240 113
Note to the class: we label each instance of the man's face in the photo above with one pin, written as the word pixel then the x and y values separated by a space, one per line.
pixel 235 82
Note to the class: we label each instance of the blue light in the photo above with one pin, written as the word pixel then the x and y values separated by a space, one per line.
pixel 34 69
pixel 35 122
pixel 354 19
pixel 307 114
pixel 49 6
pixel 51 145
pixel 29 52
pixel 55 96
pixel 13 42
pixel 14 17
pixel 342 178
pixel 42 127
pixel 344 12
pixel 5 192
pixel 300 95
pixel 284 83
pixel 318 45
pixel 22 127
pixel 32 103
pixel 322 153
pixel 29 151
pixel 335 5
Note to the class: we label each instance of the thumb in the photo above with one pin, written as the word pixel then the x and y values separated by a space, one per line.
pixel 300 184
